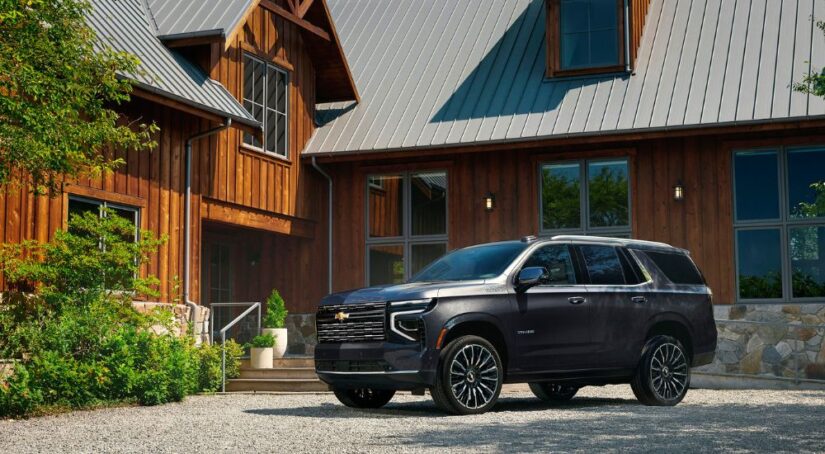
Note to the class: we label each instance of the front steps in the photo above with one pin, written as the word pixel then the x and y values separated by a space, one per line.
pixel 290 374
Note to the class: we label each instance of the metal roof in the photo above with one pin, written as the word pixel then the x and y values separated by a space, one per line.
pixel 176 19
pixel 124 25
pixel 434 74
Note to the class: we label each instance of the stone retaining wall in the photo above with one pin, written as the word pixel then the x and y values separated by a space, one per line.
pixel 301 334
pixel 779 341
pixel 181 317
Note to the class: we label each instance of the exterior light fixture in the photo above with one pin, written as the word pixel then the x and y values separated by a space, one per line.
pixel 678 191
pixel 489 201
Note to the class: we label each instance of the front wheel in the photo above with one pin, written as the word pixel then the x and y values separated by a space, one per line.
pixel 553 392
pixel 364 397
pixel 470 376
pixel 663 375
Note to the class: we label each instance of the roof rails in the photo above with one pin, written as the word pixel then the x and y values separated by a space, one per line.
pixel 529 238
pixel 642 244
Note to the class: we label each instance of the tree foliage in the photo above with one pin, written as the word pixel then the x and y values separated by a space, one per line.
pixel 813 82
pixel 58 84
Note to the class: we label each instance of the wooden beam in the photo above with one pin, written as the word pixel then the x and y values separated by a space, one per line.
pixel 196 41
pixel 318 31
pixel 302 9
pixel 233 214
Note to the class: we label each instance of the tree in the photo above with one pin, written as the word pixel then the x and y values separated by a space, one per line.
pixel 813 82
pixel 58 85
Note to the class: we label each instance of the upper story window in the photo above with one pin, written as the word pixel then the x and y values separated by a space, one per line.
pixel 265 91
pixel 101 208
pixel 585 36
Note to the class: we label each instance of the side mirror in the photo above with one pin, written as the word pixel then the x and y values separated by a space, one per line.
pixel 529 277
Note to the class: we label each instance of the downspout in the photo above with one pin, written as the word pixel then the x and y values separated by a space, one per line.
pixel 187 221
pixel 627 67
pixel 329 224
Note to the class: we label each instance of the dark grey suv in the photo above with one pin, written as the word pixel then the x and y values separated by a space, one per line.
pixel 558 313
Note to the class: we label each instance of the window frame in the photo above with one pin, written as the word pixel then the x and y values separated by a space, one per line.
pixel 101 204
pixel 553 40
pixel 584 200
pixel 287 81
pixel 578 273
pixel 407 240
pixel 783 224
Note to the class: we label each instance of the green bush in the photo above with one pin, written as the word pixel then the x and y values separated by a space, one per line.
pixel 262 341
pixel 275 311
pixel 81 343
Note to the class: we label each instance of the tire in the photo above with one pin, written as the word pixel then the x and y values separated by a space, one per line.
pixel 470 376
pixel 553 392
pixel 364 397
pixel 663 375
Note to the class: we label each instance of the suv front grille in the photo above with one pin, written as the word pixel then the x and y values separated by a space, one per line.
pixel 358 323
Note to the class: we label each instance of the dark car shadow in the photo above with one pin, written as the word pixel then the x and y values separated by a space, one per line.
pixel 427 408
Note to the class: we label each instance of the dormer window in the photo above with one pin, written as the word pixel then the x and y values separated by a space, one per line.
pixel 585 37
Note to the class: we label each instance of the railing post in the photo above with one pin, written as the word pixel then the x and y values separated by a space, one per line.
pixel 223 361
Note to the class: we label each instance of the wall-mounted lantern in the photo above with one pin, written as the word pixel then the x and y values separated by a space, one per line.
pixel 489 201
pixel 678 191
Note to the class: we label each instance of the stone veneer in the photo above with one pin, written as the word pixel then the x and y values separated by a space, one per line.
pixel 181 318
pixel 301 336
pixel 779 342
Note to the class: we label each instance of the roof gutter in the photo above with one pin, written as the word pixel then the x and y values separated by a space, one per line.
pixel 329 223
pixel 187 226
pixel 627 66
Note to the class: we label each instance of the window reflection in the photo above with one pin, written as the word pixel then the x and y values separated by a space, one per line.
pixel 760 266
pixel 807 249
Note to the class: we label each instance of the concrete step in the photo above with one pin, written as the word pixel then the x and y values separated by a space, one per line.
pixel 287 362
pixel 300 373
pixel 275 385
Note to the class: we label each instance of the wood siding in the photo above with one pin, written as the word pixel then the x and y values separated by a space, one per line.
pixel 638 16
pixel 274 204
pixel 701 222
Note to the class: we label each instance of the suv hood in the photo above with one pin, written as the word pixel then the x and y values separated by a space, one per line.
pixel 401 292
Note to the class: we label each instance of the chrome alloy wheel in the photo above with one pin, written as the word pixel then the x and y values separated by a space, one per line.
pixel 669 371
pixel 474 376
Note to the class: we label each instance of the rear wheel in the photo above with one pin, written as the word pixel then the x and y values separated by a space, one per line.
pixel 469 378
pixel 364 397
pixel 663 375
pixel 553 392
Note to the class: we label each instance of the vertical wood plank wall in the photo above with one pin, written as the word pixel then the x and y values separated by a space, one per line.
pixel 638 15
pixel 702 222
pixel 221 170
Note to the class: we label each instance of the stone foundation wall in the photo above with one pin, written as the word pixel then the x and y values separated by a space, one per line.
pixel 181 316
pixel 301 334
pixel 769 341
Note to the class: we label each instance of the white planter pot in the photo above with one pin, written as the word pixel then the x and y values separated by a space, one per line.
pixel 280 340
pixel 261 358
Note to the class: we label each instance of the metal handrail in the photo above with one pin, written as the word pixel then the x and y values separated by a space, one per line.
pixel 212 315
pixel 230 325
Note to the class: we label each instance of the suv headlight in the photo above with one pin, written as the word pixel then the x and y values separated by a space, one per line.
pixel 404 320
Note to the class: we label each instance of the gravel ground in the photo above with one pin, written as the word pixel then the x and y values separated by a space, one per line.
pixel 601 418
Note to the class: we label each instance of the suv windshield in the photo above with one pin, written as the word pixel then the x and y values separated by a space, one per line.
pixel 477 262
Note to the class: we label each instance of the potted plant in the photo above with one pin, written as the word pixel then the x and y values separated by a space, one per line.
pixel 261 351
pixel 274 322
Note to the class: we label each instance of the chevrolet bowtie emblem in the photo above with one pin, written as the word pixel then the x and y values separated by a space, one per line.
pixel 341 316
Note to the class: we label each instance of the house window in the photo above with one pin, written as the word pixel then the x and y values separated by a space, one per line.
pixel 585 197
pixel 80 205
pixel 407 224
pixel 585 36
pixel 265 90
pixel 779 224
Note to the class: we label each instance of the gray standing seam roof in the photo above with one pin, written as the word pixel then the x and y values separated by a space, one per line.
pixel 434 73
pixel 176 19
pixel 124 25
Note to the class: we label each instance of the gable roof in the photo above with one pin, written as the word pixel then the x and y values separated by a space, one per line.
pixel 176 19
pixel 124 25
pixel 183 19
pixel 438 74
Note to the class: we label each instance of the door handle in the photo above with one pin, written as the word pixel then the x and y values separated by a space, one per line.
pixel 575 299
pixel 639 299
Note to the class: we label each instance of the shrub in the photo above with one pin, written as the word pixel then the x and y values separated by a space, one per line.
pixel 275 311
pixel 80 340
pixel 262 341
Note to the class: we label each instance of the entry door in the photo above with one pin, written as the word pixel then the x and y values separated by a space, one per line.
pixel 553 320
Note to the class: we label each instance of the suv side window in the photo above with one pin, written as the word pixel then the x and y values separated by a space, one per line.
pixel 555 258
pixel 603 265
pixel 679 268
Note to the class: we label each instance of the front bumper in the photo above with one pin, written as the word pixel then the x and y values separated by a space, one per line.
pixel 379 365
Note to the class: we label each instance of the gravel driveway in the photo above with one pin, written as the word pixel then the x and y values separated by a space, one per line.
pixel 600 418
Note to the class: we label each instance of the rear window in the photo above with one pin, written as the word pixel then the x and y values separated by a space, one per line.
pixel 603 265
pixel 677 267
